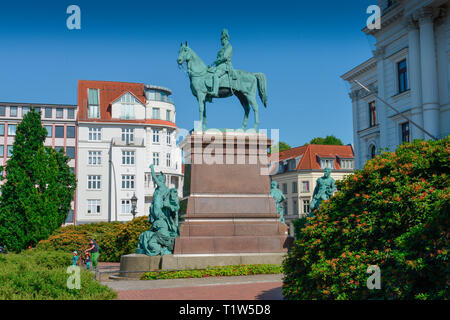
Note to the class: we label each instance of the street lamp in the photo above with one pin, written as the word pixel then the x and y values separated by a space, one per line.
pixel 133 204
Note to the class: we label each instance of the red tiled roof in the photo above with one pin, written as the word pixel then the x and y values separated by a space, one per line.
pixel 312 153
pixel 110 91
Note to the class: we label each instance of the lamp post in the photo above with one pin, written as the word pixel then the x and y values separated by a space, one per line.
pixel 133 205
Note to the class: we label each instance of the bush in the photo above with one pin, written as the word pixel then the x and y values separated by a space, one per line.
pixel 124 240
pixel 114 238
pixel 234 270
pixel 394 214
pixel 41 275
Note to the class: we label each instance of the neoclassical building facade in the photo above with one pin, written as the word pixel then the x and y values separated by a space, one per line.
pixel 409 70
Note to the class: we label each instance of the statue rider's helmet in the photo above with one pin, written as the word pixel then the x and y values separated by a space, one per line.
pixel 274 184
pixel 161 177
pixel 225 35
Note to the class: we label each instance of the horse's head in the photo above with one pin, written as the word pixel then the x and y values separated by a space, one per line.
pixel 184 54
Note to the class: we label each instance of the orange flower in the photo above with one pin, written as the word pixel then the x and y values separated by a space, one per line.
pixel 392 179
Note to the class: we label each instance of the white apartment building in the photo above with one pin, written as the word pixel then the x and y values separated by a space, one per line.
pixel 410 70
pixel 296 170
pixel 123 128
pixel 58 119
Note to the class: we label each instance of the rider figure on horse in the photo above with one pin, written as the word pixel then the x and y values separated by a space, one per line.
pixel 222 65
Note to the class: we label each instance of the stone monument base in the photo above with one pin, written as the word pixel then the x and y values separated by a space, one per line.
pixel 135 265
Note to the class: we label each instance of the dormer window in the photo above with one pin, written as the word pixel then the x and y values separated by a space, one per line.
pixel 346 163
pixel 128 102
pixel 93 101
pixel 326 163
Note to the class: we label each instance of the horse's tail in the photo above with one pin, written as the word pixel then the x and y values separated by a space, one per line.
pixel 262 83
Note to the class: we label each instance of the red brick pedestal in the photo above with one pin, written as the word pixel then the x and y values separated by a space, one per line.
pixel 229 210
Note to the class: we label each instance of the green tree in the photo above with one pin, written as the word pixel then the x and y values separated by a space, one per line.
pixel 281 146
pixel 331 140
pixel 39 188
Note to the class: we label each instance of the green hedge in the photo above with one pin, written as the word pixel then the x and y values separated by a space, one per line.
pixel 233 270
pixel 114 238
pixel 42 275
pixel 395 214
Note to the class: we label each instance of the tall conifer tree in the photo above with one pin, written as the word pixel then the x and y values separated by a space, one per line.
pixel 39 187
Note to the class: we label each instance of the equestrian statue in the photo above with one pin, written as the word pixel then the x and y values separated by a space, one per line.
pixel 221 80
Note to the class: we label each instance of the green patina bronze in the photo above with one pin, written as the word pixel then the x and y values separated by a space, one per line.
pixel 278 197
pixel 163 216
pixel 325 187
pixel 221 80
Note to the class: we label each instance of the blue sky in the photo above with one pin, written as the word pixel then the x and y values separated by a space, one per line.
pixel 302 46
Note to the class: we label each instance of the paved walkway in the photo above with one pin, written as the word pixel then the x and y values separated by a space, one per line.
pixel 257 287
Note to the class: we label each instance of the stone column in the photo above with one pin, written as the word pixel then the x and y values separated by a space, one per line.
pixel 381 108
pixel 354 96
pixel 415 80
pixel 430 94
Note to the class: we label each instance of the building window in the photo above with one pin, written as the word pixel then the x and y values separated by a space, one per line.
pixel 2 129
pixel 156 158
pixel 155 113
pixel 49 130
pixel 12 129
pixel 305 186
pixel 285 188
pixel 72 170
pixel 59 148
pixel 168 137
pixel 285 208
pixel 95 134
pixel 25 110
pixel 2 150
pixel 94 106
pixel 402 76
pixel 48 113
pixel 128 181
pixel 94 182
pixel 127 135
pixel 147 179
pixel 93 206
pixel 126 206
pixel 69 217
pixel 59 113
pixel 70 132
pixel 128 101
pixel 306 206
pixel 294 207
pixel 373 151
pixel 405 132
pixel 37 109
pixel 59 131
pixel 346 164
pixel 168 163
pixel 372 114
pixel 13 111
pixel 168 115
pixel 128 157
pixel 327 163
pixel 70 152
pixel 9 151
pixel 2 111
pixel 70 113
pixel 156 135
pixel 294 187
pixel 95 158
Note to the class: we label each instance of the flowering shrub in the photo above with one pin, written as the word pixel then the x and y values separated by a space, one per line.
pixel 114 238
pixel 124 240
pixel 394 214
